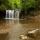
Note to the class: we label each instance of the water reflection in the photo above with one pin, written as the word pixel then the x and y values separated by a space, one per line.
pixel 17 27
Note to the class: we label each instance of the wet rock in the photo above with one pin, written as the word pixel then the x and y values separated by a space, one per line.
pixel 33 33
pixel 23 37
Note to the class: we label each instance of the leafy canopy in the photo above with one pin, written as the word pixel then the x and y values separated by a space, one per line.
pixel 20 4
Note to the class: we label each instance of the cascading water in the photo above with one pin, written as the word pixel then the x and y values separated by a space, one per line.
pixel 13 15
pixel 9 14
pixel 17 14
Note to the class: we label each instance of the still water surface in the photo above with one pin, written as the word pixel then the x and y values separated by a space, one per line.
pixel 12 29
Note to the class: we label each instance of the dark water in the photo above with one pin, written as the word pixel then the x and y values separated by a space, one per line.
pixel 12 29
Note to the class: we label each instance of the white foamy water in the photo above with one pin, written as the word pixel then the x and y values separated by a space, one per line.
pixel 12 14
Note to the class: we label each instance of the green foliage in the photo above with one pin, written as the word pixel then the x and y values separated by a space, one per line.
pixel 4 5
pixel 20 4
pixel 15 4
pixel 10 4
pixel 38 4
pixel 30 3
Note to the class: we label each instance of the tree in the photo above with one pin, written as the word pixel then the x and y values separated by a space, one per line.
pixel 16 4
pixel 5 4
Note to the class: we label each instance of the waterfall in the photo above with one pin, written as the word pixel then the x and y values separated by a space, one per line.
pixel 13 14
pixel 9 14
pixel 17 14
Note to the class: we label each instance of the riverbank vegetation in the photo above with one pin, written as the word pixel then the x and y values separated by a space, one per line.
pixel 27 7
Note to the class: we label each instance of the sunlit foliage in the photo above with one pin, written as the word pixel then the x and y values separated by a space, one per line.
pixel 15 4
pixel 20 4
